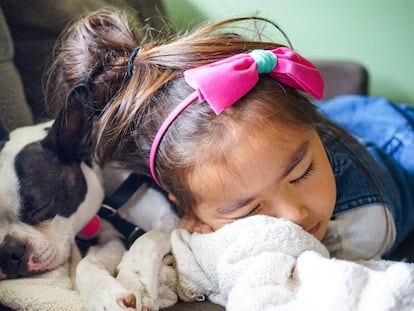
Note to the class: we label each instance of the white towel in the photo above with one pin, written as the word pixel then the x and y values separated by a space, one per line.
pixel 263 263
pixel 49 291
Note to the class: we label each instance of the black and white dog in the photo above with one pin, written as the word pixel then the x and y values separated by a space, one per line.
pixel 50 188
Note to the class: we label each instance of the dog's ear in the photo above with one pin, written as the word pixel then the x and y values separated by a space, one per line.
pixel 4 135
pixel 70 134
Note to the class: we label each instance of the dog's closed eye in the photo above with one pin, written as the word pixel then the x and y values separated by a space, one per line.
pixel 40 212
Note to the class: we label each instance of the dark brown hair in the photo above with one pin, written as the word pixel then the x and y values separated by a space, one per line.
pixel 95 51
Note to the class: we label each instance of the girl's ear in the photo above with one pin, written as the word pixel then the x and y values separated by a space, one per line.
pixel 172 198
pixel 193 224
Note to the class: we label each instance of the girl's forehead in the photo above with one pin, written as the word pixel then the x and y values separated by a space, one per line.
pixel 261 153
pixel 225 147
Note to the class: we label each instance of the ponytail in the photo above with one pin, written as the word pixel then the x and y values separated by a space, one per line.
pixel 94 51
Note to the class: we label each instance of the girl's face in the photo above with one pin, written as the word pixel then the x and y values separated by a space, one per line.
pixel 284 173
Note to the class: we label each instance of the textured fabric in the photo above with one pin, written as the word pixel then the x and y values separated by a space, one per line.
pixel 14 111
pixel 343 77
pixel 198 256
pixel 263 263
pixel 51 291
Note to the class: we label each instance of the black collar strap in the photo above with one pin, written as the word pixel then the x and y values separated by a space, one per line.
pixel 112 203
pixel 129 231
pixel 124 192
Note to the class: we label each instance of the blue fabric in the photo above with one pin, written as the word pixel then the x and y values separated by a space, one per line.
pixel 386 131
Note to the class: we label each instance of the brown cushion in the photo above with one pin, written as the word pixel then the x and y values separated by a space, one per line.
pixel 343 77
pixel 199 306
pixel 14 111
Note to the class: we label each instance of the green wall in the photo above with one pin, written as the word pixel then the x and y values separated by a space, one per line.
pixel 376 33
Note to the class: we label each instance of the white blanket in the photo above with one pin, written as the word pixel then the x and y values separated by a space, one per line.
pixel 49 291
pixel 263 263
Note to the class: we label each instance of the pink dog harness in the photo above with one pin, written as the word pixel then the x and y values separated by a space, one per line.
pixel 223 83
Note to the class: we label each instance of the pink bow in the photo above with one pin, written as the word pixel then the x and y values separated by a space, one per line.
pixel 224 82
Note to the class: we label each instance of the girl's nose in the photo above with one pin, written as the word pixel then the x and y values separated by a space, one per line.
pixel 293 211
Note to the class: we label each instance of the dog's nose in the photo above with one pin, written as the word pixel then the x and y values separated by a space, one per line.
pixel 11 256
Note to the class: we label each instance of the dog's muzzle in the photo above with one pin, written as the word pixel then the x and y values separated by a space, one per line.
pixel 14 255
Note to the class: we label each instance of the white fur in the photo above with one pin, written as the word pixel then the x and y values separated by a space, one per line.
pixel 95 274
pixel 149 210
pixel 9 200
pixel 147 270
pixel 91 205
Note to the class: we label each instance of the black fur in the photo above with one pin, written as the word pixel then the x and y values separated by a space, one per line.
pixel 73 122
pixel 51 180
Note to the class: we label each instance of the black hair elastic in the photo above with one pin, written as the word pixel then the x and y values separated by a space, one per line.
pixel 130 66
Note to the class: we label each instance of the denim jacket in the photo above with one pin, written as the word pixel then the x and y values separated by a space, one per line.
pixel 386 131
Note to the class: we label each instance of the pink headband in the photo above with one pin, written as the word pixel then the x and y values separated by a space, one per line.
pixel 224 82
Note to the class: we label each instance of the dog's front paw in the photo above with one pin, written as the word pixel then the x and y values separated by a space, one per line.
pixel 106 293
pixel 96 283
pixel 143 301
pixel 115 298
pixel 147 270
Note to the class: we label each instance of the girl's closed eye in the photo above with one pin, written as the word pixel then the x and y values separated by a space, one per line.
pixel 306 175
pixel 252 212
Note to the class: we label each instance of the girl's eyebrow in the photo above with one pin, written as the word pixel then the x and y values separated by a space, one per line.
pixel 295 159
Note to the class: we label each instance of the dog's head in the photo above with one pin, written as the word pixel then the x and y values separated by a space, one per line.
pixel 49 189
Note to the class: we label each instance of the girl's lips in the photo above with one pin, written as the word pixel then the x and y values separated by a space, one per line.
pixel 314 229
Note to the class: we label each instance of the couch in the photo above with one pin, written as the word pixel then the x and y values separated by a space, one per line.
pixel 28 30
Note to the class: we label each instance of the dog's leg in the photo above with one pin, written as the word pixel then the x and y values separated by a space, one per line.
pixel 95 274
pixel 74 259
pixel 147 269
